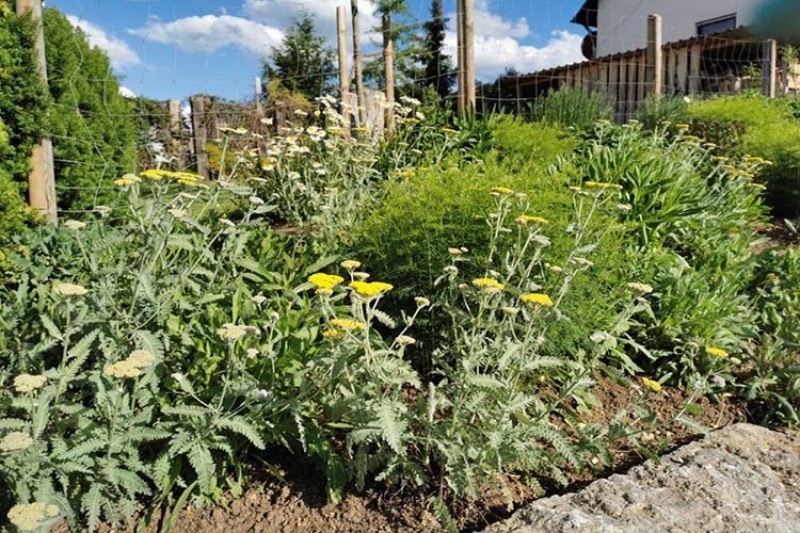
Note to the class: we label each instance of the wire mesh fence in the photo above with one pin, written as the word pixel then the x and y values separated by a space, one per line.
pixel 513 75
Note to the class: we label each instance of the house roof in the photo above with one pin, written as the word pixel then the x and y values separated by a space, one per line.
pixel 587 14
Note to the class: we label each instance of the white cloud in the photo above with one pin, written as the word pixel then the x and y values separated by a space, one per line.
pixel 498 46
pixel 279 13
pixel 209 33
pixel 489 24
pixel 119 52
pixel 127 93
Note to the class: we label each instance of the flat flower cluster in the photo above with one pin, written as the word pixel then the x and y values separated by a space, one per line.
pixel 132 366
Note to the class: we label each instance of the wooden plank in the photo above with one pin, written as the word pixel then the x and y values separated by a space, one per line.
pixel 641 86
pixel 669 71
pixel 199 133
pixel 682 70
pixel 695 66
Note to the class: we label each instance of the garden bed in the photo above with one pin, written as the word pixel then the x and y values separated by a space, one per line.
pixel 290 498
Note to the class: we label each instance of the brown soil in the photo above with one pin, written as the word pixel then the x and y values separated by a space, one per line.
pixel 292 499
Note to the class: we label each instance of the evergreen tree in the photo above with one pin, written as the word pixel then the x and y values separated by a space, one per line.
pixel 437 67
pixel 93 128
pixel 303 63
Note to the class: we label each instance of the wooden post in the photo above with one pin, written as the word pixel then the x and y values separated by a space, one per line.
pixel 344 71
pixel 42 180
pixel 259 104
pixel 361 114
pixel 695 66
pixel 388 70
pixel 769 68
pixel 175 129
pixel 461 58
pixel 469 55
pixel 655 56
pixel 200 135
pixel 682 70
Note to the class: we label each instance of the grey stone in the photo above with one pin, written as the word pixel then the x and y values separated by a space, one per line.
pixel 743 478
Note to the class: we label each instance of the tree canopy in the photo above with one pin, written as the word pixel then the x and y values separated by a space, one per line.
pixel 303 63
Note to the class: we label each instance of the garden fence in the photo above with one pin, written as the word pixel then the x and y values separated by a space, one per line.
pixel 181 133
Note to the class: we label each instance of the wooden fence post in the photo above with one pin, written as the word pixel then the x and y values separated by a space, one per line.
pixel 469 54
pixel 461 102
pixel 654 74
pixel 769 68
pixel 175 130
pixel 357 67
pixel 42 180
pixel 200 134
pixel 344 72
pixel 388 71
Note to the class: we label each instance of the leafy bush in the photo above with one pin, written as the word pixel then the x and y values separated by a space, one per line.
pixel 773 383
pixel 570 106
pixel 770 131
pixel 120 380
pixel 443 207
pixel 690 221
pixel 666 111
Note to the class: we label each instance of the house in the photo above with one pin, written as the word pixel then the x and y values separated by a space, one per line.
pixel 620 25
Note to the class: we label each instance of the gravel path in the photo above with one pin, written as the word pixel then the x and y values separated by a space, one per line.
pixel 743 478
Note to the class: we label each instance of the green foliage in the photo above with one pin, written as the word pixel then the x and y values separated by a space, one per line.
pixel 14 214
pixel 666 112
pixel 570 107
pixel 24 103
pixel 774 381
pixel 93 132
pixel 690 220
pixel 443 206
pixel 770 131
pixel 438 67
pixel 303 63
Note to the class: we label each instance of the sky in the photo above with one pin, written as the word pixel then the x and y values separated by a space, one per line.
pixel 166 49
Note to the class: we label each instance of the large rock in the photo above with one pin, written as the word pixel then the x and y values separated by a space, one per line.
pixel 743 478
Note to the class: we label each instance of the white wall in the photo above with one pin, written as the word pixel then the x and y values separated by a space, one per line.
pixel 622 24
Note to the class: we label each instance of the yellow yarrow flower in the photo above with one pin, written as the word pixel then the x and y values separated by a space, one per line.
pixel 487 283
pixel 368 289
pixel 127 179
pixel 333 333
pixel 321 280
pixel 719 353
pixel 350 264
pixel 654 386
pixel 528 219
pixel 15 441
pixel 536 298
pixel 31 516
pixel 346 324
pixel 28 383
pixel 502 190
pixel 70 289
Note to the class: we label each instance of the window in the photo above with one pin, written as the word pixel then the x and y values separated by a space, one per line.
pixel 707 27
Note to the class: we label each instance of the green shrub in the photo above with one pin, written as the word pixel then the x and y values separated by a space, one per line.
pixel 405 239
pixel 770 132
pixel 571 107
pixel 666 111
pixel 773 381
pixel 690 224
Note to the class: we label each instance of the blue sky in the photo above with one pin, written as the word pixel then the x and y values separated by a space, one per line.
pixel 175 48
